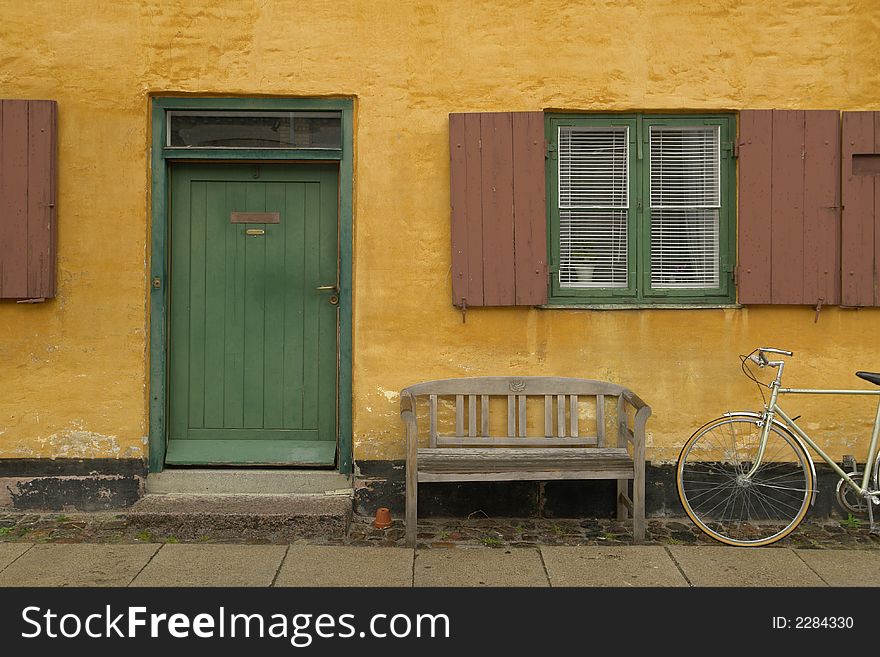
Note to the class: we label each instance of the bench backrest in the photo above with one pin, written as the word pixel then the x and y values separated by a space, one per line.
pixel 562 399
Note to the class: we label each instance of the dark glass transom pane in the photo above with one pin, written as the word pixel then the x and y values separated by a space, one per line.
pixel 232 129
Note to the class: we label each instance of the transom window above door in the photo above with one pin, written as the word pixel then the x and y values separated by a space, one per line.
pixel 640 208
pixel 246 129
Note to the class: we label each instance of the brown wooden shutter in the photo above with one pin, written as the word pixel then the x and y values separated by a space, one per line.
pixel 860 227
pixel 499 225
pixel 789 207
pixel 27 198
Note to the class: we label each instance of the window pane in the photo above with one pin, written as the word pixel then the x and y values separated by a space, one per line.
pixel 685 197
pixel 593 167
pixel 685 167
pixel 255 129
pixel 592 248
pixel 684 248
pixel 593 202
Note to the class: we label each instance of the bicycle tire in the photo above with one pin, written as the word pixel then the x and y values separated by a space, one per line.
pixel 731 509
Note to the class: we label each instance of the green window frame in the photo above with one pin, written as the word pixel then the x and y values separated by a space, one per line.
pixel 616 239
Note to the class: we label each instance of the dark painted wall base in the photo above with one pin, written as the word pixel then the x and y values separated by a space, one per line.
pixel 71 484
pixel 381 483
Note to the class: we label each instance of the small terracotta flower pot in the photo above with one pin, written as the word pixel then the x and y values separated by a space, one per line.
pixel 383 518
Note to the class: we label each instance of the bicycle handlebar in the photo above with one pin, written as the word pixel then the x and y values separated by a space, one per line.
pixel 771 350
pixel 761 359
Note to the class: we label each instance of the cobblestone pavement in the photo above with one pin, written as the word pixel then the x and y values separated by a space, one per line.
pixel 470 532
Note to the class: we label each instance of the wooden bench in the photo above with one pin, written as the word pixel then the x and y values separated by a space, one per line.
pixel 562 452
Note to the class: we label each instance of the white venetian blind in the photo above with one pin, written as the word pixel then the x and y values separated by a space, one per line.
pixel 593 206
pixel 685 203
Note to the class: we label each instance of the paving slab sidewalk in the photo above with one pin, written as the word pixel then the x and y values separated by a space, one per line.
pixel 212 565
pixel 731 566
pixel 81 564
pixel 311 565
pixel 479 567
pixel 315 565
pixel 637 565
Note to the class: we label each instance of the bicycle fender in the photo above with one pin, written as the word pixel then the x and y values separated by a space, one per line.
pixel 779 425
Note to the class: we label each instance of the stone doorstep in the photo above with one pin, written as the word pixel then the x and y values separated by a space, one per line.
pixel 240 516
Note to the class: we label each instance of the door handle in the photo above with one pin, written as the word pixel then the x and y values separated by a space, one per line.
pixel 326 287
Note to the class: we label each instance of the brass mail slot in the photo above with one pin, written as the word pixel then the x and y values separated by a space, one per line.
pixel 255 218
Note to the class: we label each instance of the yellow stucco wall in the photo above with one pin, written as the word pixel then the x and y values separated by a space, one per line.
pixel 73 371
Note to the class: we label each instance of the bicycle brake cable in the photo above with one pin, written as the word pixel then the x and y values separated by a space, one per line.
pixel 748 372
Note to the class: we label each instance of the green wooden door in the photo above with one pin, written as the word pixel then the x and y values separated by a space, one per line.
pixel 252 340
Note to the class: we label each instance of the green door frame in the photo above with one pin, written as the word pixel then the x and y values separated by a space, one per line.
pixel 161 159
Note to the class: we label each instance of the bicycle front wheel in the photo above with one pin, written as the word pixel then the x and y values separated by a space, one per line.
pixel 726 505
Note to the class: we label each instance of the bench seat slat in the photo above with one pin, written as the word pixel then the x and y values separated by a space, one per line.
pixel 476 460
pixel 516 441
pixel 527 475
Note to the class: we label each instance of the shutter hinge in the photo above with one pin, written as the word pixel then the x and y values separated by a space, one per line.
pixel 736 275
pixel 550 150
pixel 730 148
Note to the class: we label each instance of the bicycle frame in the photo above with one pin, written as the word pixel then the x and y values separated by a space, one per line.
pixel 773 410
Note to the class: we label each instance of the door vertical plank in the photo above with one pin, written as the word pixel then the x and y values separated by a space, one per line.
pixel 530 223
pixel 857 228
pixel 41 198
pixel 787 232
pixel 822 207
pixel 233 381
pixel 273 362
pixel 178 338
pixel 13 200
pixel 876 184
pixel 294 305
pixel 215 303
pixel 254 311
pixel 473 211
pixel 328 313
pixel 312 300
pixel 755 210
pixel 197 259
pixel 458 183
pixel 496 133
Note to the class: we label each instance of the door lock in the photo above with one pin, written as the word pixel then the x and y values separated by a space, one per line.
pixel 334 299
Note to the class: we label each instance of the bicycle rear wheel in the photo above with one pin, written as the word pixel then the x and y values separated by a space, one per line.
pixel 727 506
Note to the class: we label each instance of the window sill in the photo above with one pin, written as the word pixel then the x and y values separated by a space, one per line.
pixel 640 306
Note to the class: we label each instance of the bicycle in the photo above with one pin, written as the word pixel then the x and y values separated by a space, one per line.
pixel 747 479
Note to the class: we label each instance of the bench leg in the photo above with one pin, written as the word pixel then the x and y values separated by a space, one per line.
pixel 411 510
pixel 639 503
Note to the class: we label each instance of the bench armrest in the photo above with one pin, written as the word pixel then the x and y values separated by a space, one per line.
pixel 636 435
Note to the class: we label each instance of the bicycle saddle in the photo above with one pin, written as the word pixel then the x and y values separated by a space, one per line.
pixel 873 377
